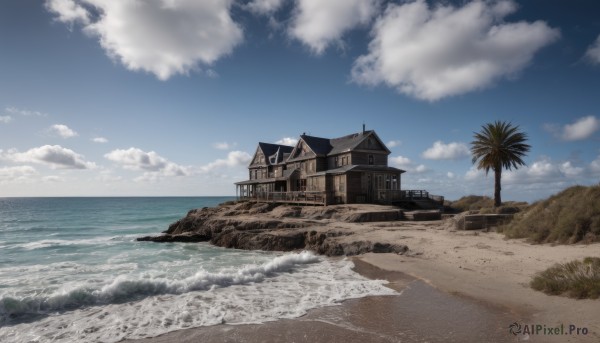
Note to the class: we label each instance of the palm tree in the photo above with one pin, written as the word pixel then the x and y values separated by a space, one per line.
pixel 499 145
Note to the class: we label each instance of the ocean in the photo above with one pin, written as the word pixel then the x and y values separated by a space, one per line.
pixel 71 270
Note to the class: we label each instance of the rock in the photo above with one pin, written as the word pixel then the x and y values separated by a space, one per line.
pixel 275 227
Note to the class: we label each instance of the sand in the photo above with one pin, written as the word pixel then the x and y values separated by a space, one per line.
pixel 456 286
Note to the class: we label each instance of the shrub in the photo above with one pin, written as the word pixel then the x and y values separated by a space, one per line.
pixel 576 279
pixel 570 216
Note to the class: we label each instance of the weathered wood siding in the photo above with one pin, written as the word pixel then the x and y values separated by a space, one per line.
pixel 355 192
pixel 379 159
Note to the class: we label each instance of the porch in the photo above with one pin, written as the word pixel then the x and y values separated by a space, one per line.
pixel 383 196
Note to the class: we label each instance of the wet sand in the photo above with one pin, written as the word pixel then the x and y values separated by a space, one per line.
pixel 420 313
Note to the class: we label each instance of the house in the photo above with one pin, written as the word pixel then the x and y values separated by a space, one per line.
pixel 344 170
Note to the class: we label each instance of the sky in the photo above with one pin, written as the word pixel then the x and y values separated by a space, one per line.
pixel 171 97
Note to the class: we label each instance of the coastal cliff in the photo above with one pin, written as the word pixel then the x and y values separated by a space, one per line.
pixel 276 227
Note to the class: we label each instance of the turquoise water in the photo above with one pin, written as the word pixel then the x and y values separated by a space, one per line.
pixel 71 269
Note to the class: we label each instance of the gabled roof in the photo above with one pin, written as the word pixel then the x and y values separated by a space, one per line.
pixel 327 147
pixel 274 153
pixel 320 146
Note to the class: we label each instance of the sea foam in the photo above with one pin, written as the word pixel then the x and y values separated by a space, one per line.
pixel 284 287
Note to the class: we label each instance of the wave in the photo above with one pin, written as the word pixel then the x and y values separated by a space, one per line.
pixel 123 289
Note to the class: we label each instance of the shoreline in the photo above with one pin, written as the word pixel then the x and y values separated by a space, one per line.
pixel 434 263
pixel 418 313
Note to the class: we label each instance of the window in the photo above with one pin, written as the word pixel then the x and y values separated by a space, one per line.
pixel 394 182
pixel 344 160
pixel 387 182
pixel 371 160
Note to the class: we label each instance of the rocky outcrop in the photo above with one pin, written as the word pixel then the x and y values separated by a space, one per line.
pixel 252 226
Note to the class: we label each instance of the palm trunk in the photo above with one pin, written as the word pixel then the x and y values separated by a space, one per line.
pixel 497 187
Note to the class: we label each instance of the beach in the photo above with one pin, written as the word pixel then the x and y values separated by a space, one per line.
pixel 456 286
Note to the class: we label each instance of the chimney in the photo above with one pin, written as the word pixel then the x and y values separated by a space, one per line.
pixel 363 128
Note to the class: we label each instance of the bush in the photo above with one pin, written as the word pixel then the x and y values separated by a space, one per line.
pixel 472 203
pixel 570 216
pixel 576 279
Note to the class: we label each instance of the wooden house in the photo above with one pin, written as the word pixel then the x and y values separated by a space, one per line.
pixel 344 170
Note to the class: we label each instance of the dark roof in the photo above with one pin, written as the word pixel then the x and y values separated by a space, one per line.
pixel 328 147
pixel 269 149
pixel 320 146
pixel 347 142
pixel 275 153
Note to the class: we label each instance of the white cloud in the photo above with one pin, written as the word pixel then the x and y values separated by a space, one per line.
pixel 318 23
pixel 17 173
pixel 405 163
pixel 68 11
pixel 287 141
pixel 55 156
pixel 450 175
pixel 593 52
pixel 62 130
pixel 234 159
pixel 99 140
pixel 432 53
pixel 5 119
pixel 264 6
pixel 26 113
pixel 582 128
pixel 392 144
pixel 473 173
pixel 450 151
pixel 595 165
pixel 163 37
pixel 569 170
pixel 224 145
pixel 137 159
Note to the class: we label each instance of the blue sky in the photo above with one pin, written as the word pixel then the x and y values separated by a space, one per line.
pixel 170 97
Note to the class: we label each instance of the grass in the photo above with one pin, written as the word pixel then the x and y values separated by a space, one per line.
pixel 575 279
pixel 571 216
pixel 484 205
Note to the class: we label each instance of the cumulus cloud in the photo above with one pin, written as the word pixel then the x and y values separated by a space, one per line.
pixel 392 144
pixel 318 23
pixel 234 159
pixel 62 131
pixel 434 52
pixel 68 11
pixel 582 128
pixel 99 140
pixel 450 151
pixel 224 145
pixel 163 37
pixel 264 6
pixel 407 164
pixel 17 173
pixel 287 141
pixel 5 119
pixel 593 52
pixel 137 159
pixel 54 156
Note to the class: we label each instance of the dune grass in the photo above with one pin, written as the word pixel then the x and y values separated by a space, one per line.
pixel 575 279
pixel 484 204
pixel 570 216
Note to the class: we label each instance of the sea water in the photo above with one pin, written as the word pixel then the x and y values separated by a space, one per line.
pixel 71 270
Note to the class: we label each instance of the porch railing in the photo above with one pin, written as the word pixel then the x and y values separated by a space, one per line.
pixel 388 196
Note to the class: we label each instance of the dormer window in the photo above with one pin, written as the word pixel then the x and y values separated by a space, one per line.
pixel 371 160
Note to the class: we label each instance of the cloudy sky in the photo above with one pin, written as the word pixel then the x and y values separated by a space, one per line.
pixel 170 97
